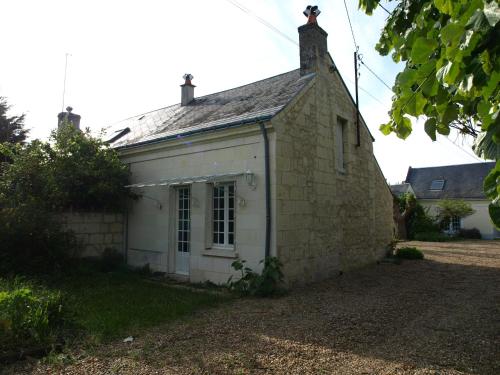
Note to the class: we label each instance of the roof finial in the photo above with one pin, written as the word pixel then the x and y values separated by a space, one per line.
pixel 311 13
pixel 69 109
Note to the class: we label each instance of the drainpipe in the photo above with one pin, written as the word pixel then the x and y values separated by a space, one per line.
pixel 268 189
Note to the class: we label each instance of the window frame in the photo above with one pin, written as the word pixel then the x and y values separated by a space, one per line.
pixel 340 127
pixel 226 217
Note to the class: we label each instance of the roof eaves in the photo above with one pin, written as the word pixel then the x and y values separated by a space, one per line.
pixel 196 131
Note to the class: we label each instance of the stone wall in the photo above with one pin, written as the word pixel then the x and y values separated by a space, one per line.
pixel 96 231
pixel 328 220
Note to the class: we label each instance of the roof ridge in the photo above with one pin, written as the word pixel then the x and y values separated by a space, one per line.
pixel 455 165
pixel 205 96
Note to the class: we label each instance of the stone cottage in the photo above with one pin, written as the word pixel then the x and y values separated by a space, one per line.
pixel 278 167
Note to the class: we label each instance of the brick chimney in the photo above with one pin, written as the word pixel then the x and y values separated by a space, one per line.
pixel 187 90
pixel 312 42
pixel 70 117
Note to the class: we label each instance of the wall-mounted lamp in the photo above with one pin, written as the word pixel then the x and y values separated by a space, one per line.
pixel 241 202
pixel 250 179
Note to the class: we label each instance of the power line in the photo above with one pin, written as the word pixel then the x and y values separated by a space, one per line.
pixel 273 28
pixel 463 150
pixel 262 21
pixel 375 74
pixel 350 25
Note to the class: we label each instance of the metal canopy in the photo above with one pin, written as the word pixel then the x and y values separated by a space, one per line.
pixel 249 176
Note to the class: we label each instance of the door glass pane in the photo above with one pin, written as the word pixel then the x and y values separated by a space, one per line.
pixel 183 224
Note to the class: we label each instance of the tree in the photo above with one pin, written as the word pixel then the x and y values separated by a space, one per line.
pixel 451 208
pixel 11 128
pixel 451 75
pixel 412 218
pixel 73 171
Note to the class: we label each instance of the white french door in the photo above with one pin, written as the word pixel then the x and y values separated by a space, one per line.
pixel 183 230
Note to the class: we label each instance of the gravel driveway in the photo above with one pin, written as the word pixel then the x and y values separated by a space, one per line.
pixel 437 316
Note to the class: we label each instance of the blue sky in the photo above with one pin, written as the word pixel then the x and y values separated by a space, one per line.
pixel 128 57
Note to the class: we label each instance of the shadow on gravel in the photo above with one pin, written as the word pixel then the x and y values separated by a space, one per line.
pixel 423 314
pixel 436 316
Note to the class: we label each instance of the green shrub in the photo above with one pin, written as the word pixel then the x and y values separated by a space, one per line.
pixel 110 259
pixel 473 233
pixel 268 283
pixel 29 315
pixel 420 222
pixel 409 253
pixel 432 237
pixel 33 241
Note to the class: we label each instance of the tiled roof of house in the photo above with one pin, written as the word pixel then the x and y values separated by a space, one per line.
pixel 399 189
pixel 448 182
pixel 244 104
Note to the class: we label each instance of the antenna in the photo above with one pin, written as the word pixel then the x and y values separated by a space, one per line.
pixel 64 83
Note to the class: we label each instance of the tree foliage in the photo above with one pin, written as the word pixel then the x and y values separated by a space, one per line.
pixel 72 171
pixel 415 218
pixel 11 128
pixel 449 208
pixel 451 75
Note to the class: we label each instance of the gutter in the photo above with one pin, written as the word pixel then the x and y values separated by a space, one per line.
pixel 268 189
pixel 197 131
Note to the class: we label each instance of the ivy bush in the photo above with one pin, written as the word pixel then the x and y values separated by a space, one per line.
pixel 268 283
pixel 409 253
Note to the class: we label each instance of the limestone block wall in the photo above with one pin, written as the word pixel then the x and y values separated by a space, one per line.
pixel 96 230
pixel 328 220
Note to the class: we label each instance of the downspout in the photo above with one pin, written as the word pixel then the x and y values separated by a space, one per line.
pixel 126 225
pixel 268 189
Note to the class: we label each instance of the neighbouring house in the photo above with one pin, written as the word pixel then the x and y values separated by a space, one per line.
pixel 278 167
pixel 464 182
pixel 400 189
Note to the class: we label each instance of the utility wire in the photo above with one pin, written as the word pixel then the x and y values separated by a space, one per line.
pixel 261 20
pixel 350 25
pixel 463 150
pixel 375 74
pixel 273 28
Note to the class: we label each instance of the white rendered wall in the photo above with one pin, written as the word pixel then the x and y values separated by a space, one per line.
pixel 151 229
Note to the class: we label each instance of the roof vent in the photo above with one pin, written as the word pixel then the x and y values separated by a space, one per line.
pixel 187 90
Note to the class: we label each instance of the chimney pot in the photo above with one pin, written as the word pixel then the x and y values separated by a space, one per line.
pixel 69 117
pixel 187 90
pixel 312 42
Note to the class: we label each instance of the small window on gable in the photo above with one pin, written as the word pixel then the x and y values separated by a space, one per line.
pixel 437 185
pixel 340 144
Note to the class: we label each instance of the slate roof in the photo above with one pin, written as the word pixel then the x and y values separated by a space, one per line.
pixel 400 189
pixel 460 181
pixel 245 104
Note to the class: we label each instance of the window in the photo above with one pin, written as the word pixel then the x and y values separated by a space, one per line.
pixel 455 224
pixel 437 185
pixel 223 215
pixel 340 142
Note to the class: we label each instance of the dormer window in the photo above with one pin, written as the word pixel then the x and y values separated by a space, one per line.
pixel 437 185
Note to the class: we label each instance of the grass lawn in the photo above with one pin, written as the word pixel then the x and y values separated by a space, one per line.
pixel 102 306
pixel 110 305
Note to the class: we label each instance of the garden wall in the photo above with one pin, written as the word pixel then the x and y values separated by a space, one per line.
pixel 96 231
